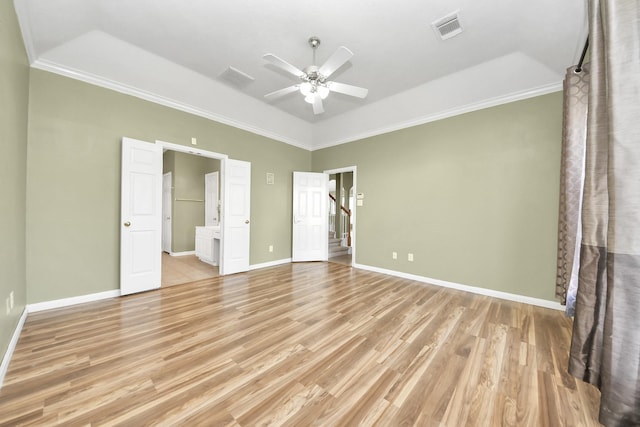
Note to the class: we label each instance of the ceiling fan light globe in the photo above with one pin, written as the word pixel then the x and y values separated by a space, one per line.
pixel 306 88
pixel 311 98
pixel 323 91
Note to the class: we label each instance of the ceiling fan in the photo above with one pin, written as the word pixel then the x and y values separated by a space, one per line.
pixel 314 85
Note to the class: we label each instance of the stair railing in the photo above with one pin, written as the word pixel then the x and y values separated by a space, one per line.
pixel 332 215
pixel 345 219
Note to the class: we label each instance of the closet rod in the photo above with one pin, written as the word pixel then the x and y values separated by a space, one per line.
pixel 188 200
pixel 584 52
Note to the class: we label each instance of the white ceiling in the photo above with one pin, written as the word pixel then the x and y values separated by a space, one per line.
pixel 174 52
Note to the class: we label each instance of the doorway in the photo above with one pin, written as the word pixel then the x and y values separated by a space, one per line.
pixel 141 213
pixel 190 179
pixel 342 215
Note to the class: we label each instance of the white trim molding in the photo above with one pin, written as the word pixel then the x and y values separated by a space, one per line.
pixel 93 79
pixel 185 253
pixel 190 150
pixel 472 289
pixel 269 264
pixel 440 115
pixel 65 302
pixel 6 359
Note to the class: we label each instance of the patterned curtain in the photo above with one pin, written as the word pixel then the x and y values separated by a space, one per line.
pixel 605 346
pixel 574 140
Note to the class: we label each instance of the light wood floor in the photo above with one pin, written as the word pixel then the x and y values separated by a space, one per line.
pixel 177 270
pixel 297 345
pixel 342 259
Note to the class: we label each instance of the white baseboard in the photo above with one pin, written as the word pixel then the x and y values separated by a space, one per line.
pixel 269 264
pixel 4 366
pixel 65 302
pixel 185 253
pixel 473 289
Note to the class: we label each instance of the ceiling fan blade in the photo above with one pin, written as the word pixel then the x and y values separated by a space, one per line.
pixel 345 89
pixel 318 108
pixel 281 92
pixel 281 63
pixel 335 61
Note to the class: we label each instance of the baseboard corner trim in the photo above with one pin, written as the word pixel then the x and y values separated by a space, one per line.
pixel 554 305
pixel 6 359
pixel 65 302
pixel 185 253
pixel 269 264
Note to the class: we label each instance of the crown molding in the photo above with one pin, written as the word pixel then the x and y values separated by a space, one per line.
pixel 22 14
pixel 475 106
pixel 50 66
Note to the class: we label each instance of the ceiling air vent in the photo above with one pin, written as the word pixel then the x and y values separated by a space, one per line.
pixel 236 77
pixel 448 26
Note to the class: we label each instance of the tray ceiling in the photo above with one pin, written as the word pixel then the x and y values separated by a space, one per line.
pixel 179 52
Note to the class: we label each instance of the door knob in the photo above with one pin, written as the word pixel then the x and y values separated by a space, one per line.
pixel 246 222
pixel 127 224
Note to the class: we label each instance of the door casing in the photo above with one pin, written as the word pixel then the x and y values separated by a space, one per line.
pixel 189 150
pixel 353 169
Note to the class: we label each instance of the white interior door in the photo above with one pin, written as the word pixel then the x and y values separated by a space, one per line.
pixel 166 212
pixel 211 199
pixel 236 216
pixel 141 216
pixel 310 226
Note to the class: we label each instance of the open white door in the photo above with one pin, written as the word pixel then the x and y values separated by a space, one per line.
pixel 141 216
pixel 166 212
pixel 310 227
pixel 211 199
pixel 236 209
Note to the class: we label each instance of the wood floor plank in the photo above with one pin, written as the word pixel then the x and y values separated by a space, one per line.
pixel 298 344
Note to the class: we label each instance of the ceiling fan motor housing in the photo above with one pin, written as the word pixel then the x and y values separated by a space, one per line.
pixel 312 74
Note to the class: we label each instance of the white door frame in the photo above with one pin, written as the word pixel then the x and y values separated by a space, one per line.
pixel 204 153
pixel 353 169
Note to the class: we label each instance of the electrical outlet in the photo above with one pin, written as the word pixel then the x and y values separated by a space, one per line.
pixel 409 257
pixel 194 141
pixel 270 248
pixel 394 255
pixel 11 300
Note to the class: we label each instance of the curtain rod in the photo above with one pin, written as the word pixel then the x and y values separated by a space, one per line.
pixel 584 52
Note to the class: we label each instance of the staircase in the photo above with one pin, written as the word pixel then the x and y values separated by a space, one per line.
pixel 335 249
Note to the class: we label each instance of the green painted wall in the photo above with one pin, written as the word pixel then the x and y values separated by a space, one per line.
pixel 73 174
pixel 188 179
pixel 14 97
pixel 473 197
